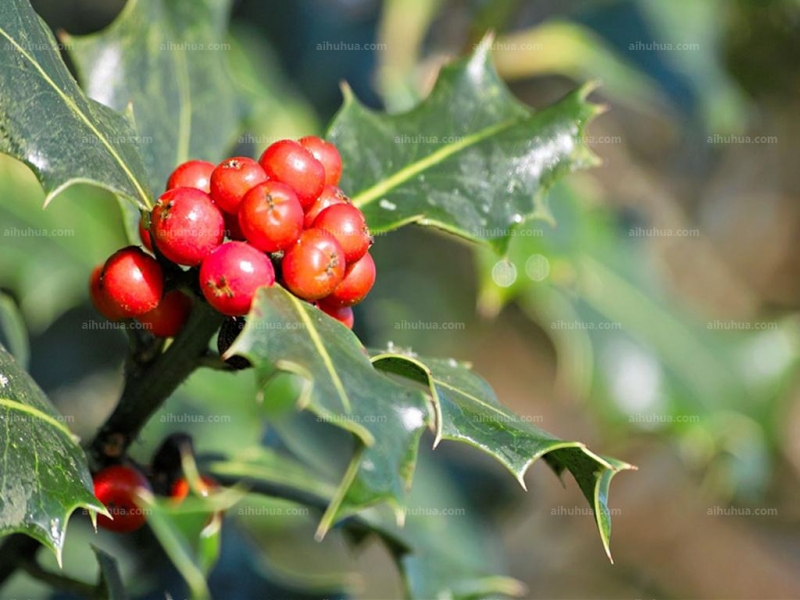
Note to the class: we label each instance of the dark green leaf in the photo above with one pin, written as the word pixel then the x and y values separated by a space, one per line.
pixel 467 411
pixel 43 472
pixel 342 388
pixel 47 122
pixel 110 578
pixel 470 159
pixel 166 61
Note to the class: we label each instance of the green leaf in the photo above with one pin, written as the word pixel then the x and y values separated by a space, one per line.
pixel 110 584
pixel 343 389
pixel 43 472
pixel 468 411
pixel 165 62
pixel 12 328
pixel 470 159
pixel 47 122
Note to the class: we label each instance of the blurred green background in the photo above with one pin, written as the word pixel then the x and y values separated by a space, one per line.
pixel 656 320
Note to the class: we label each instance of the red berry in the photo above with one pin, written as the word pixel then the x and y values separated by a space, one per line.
pixel 232 179
pixel 117 487
pixel 144 235
pixel 186 225
pixel 314 266
pixel 99 297
pixel 232 229
pixel 270 216
pixel 343 314
pixel 169 317
pixel 288 162
pixel 358 281
pixel 327 154
pixel 348 226
pixel 133 281
pixel 231 274
pixel 194 174
pixel 330 195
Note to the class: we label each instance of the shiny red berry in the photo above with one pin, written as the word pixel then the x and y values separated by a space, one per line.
pixel 186 225
pixel 100 299
pixel 133 281
pixel 144 235
pixel 314 266
pixel 231 274
pixel 327 154
pixel 194 174
pixel 330 195
pixel 347 224
pixel 117 487
pixel 169 317
pixel 232 179
pixel 343 314
pixel 288 162
pixel 270 216
pixel 358 281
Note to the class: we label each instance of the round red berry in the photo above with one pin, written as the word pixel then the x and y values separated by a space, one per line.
pixel 194 174
pixel 186 225
pixel 270 216
pixel 343 314
pixel 232 179
pixel 117 487
pixel 348 226
pixel 99 297
pixel 169 317
pixel 330 195
pixel 358 281
pixel 231 274
pixel 288 162
pixel 132 281
pixel 144 235
pixel 327 154
pixel 314 266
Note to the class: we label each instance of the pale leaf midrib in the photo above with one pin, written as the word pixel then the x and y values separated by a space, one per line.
pixel 15 405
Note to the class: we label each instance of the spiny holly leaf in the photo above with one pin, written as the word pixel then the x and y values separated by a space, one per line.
pixel 342 388
pixel 467 411
pixel 166 61
pixel 470 159
pixel 47 122
pixel 43 472
pixel 457 565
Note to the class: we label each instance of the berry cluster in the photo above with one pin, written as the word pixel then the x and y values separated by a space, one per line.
pixel 118 486
pixel 241 225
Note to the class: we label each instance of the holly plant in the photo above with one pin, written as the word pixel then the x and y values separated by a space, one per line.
pixel 251 265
